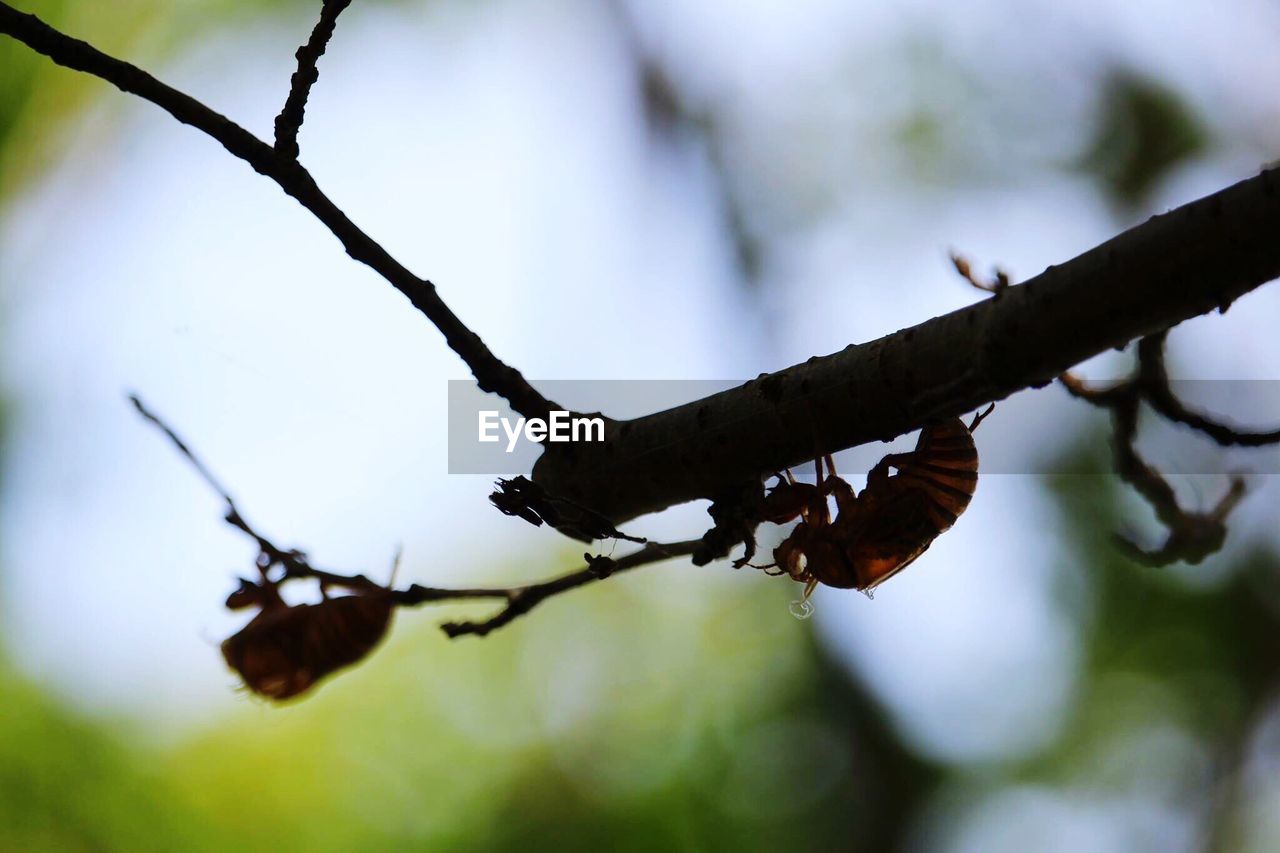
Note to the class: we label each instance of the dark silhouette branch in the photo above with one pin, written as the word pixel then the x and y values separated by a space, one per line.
pixel 523 599
pixel 995 285
pixel 519 599
pixel 521 497
pixel 289 122
pixel 491 373
pixel 1192 535
pixel 1184 263
pixel 1154 379
pixel 233 516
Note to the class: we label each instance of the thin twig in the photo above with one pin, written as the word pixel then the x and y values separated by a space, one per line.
pixel 233 516
pixel 519 600
pixel 293 561
pixel 1192 535
pixel 523 599
pixel 1156 390
pixel 491 373
pixel 185 450
pixel 290 119
pixel 997 284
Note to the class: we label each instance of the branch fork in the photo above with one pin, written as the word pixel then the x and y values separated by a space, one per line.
pixel 1192 535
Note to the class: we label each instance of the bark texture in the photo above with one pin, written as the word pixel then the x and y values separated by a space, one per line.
pixel 1194 259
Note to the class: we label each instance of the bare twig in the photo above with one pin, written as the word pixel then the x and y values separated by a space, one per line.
pixel 290 119
pixel 1159 395
pixel 519 600
pixel 523 599
pixel 267 550
pixel 491 373
pixel 995 285
pixel 293 561
pixel 1192 535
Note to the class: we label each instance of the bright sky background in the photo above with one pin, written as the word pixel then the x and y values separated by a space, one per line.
pixel 510 165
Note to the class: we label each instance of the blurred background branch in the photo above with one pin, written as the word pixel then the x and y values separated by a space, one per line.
pixel 1192 535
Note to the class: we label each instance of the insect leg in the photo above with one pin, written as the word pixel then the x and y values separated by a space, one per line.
pixel 979 417
pixel 880 473
pixel 395 565
pixel 836 485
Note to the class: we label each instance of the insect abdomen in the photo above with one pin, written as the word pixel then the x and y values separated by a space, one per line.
pixel 895 519
pixel 282 653
pixel 943 467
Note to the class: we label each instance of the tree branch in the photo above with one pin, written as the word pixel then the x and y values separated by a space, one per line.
pixel 523 599
pixel 1153 377
pixel 491 373
pixel 519 599
pixel 1198 257
pixel 1192 535
pixel 289 122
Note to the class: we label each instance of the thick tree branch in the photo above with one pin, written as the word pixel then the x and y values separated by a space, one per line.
pixel 289 122
pixel 491 373
pixel 1198 257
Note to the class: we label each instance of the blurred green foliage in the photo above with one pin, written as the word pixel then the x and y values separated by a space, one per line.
pixel 1144 130
pixel 38 100
pixel 720 727
pixel 726 729
pixel 69 783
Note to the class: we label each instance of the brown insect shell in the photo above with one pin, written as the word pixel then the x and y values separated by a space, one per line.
pixel 250 594
pixel 786 501
pixel 285 650
pixel 895 519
